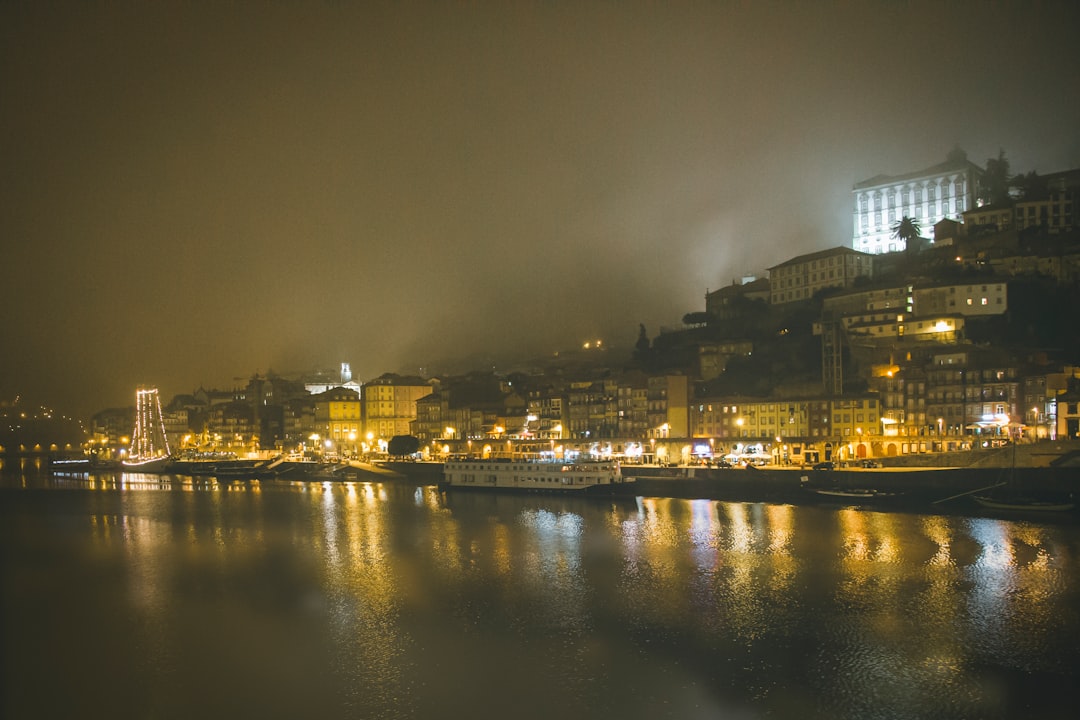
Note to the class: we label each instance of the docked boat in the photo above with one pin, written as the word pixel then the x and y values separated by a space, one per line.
pixel 854 493
pixel 1024 504
pixel 835 491
pixel 70 464
pixel 536 475
pixel 149 446
pixel 152 465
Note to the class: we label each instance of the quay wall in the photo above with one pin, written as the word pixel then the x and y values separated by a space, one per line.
pixel 919 486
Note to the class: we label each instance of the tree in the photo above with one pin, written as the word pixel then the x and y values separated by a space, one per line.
pixel 994 188
pixel 1030 186
pixel 642 345
pixel 909 231
pixel 402 445
pixel 643 352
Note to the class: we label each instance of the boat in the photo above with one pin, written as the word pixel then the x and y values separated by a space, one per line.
pixel 572 477
pixel 859 493
pixel 1024 504
pixel 847 493
pixel 1014 497
pixel 153 465
pixel 149 451
pixel 70 464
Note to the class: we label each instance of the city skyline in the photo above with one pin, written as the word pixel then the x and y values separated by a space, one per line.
pixel 195 194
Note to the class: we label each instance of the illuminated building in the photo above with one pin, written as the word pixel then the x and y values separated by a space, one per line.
pixel 592 408
pixel 668 406
pixel 388 404
pixel 432 412
pixel 971 393
pixel 797 279
pixel 926 196
pixel 337 419
pixel 232 426
pixel 546 418
pixel 741 419
pixel 980 298
pixel 110 428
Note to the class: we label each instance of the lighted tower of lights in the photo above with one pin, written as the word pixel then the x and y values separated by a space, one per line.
pixel 149 441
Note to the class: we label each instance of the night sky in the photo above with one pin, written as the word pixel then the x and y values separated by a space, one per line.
pixel 194 192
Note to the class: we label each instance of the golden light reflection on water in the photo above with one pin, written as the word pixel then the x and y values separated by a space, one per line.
pixel 856 542
pixel 740 554
pixel 740 533
pixel 897 603
pixel 781 527
pixel 940 532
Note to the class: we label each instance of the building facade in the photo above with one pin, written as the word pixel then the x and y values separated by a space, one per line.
pixel 337 420
pixel 388 405
pixel 927 196
pixel 969 299
pixel 799 278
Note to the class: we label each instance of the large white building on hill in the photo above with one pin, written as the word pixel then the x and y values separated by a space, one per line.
pixel 942 191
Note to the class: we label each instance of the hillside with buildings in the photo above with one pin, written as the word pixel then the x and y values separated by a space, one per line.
pixel 895 344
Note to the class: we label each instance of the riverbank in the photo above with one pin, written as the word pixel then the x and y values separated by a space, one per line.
pixel 903 488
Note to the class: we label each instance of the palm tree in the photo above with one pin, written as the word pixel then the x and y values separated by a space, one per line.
pixel 907 230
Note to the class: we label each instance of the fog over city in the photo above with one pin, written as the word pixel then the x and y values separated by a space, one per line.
pixel 193 192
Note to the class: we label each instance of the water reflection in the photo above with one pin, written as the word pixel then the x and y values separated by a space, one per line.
pixel 375 599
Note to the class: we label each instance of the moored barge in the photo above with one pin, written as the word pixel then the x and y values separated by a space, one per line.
pixel 583 477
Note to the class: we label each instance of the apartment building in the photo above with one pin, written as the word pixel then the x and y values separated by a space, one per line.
pixel 388 404
pixel 982 298
pixel 799 278
pixel 338 420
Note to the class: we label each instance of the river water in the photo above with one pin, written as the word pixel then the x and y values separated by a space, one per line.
pixel 144 597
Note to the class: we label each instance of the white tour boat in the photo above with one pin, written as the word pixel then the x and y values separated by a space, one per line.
pixel 556 475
